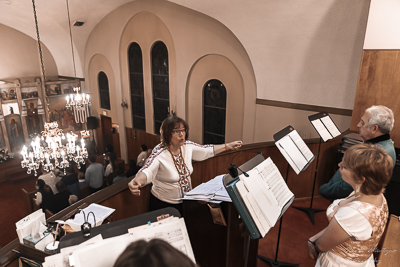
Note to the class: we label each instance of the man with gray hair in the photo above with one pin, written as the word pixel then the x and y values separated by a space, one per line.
pixel 374 127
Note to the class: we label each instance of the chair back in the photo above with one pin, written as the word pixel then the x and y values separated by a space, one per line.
pixel 388 254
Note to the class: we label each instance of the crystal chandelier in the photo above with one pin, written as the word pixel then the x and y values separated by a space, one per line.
pixel 53 150
pixel 79 102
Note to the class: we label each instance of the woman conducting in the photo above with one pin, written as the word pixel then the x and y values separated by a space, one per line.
pixel 169 166
pixel 356 223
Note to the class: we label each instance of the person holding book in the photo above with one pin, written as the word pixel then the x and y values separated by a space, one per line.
pixel 357 222
pixel 169 166
pixel 374 127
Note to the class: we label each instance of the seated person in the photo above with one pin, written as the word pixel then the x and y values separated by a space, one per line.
pixel 111 165
pixel 357 222
pixel 374 128
pixel 109 151
pixel 63 198
pixel 44 196
pixel 94 175
pixel 81 180
pixel 50 178
pixel 120 175
pixel 155 253
pixel 70 179
pixel 142 156
pixel 110 169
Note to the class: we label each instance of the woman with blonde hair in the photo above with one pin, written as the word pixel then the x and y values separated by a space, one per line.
pixel 356 223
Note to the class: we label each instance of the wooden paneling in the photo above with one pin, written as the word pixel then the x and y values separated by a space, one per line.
pixel 300 185
pixel 281 104
pixel 136 138
pixel 378 84
pixel 106 127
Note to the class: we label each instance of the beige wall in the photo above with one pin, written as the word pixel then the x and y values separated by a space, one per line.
pixel 220 68
pixel 270 120
pixel 189 37
pixel 295 58
pixel 19 56
pixel 100 63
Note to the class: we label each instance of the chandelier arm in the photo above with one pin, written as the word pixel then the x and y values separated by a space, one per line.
pixel 70 36
pixel 43 72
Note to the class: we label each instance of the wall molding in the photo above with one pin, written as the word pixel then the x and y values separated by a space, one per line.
pixel 281 104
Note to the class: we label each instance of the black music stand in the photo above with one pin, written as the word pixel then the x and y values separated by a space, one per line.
pixel 275 262
pixel 229 178
pixel 311 211
pixel 327 130
pixel 278 136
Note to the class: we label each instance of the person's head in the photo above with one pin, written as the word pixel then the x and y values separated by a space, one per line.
pixel 60 186
pixel 40 183
pixel 155 253
pixel 70 169
pixel 366 167
pixel 81 176
pixel 109 148
pixel 143 147
pixel 92 159
pixel 376 121
pixel 174 131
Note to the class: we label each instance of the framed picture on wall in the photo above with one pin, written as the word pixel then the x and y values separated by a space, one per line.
pixel 8 93
pixel 10 108
pixel 53 88
pixel 14 131
pixel 68 87
pixel 34 121
pixel 29 92
pixel 62 115
pixel 2 140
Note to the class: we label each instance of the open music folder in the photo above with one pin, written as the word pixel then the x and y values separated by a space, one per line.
pixel 324 125
pixel 261 198
pixel 294 149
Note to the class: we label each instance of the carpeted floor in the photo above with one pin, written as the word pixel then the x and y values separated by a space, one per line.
pixel 295 231
pixel 296 225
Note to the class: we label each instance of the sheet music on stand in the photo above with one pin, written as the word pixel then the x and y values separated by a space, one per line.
pixel 294 149
pixel 260 198
pixel 324 125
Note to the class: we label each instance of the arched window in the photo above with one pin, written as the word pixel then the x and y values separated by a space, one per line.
pixel 214 112
pixel 137 89
pixel 160 76
pixel 104 90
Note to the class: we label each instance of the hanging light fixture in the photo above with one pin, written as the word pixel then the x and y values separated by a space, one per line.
pixel 79 102
pixel 51 150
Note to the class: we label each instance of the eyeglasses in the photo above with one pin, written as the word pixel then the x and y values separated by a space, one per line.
pixel 178 132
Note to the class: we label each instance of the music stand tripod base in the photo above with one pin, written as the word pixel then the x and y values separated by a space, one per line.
pixel 310 212
pixel 274 263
